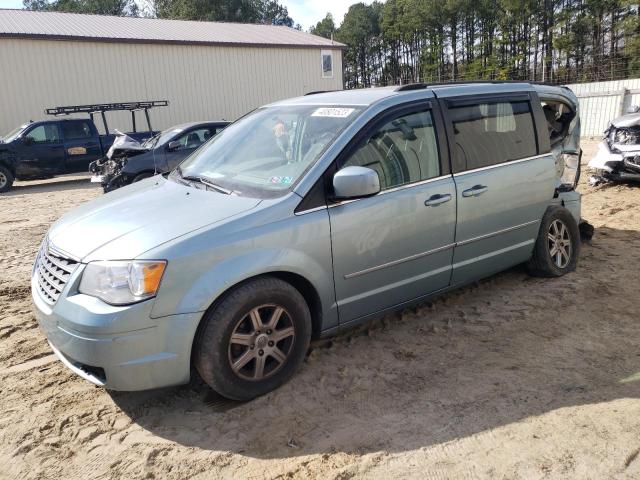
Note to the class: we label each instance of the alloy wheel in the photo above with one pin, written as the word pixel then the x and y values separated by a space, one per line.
pixel 3 180
pixel 559 243
pixel 261 342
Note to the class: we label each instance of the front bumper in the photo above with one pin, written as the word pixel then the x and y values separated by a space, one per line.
pixel 120 348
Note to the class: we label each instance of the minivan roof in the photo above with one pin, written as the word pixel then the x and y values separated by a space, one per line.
pixel 368 96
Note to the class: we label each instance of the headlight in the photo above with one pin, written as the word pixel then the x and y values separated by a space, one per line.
pixel 122 282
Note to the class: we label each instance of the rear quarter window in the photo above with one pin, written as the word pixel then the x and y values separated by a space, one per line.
pixel 76 130
pixel 491 133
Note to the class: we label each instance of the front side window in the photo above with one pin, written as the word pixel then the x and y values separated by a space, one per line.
pixel 76 130
pixel 47 133
pixel 194 138
pixel 402 151
pixel 491 133
pixel 268 151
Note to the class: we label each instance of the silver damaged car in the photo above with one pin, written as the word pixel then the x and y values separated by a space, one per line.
pixel 305 217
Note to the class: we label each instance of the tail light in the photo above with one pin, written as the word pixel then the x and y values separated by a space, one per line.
pixel 571 172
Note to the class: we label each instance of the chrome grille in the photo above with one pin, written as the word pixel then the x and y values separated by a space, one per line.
pixel 52 272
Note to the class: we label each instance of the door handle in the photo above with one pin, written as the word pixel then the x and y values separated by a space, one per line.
pixel 436 200
pixel 475 191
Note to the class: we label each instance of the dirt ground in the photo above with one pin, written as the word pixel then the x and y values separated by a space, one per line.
pixel 513 377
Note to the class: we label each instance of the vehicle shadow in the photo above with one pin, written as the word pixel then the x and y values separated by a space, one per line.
pixel 74 182
pixel 497 352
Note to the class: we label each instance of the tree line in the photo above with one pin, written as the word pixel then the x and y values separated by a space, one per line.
pixel 558 41
pixel 404 41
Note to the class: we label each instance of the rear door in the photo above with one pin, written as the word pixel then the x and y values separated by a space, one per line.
pixel 81 144
pixel 397 245
pixel 504 180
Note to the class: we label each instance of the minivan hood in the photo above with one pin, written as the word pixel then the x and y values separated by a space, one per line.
pixel 132 220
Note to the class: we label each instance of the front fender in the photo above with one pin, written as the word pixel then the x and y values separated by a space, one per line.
pixel 8 157
pixel 145 162
pixel 209 286
pixel 299 245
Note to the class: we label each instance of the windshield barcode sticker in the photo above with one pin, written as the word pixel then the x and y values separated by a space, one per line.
pixel 333 112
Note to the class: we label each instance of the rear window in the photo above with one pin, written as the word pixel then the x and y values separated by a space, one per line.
pixel 491 133
pixel 76 130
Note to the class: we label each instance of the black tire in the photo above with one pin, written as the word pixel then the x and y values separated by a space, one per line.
pixel 141 176
pixel 566 249
pixel 214 351
pixel 6 179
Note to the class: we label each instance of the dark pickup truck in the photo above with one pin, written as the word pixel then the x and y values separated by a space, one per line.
pixel 47 148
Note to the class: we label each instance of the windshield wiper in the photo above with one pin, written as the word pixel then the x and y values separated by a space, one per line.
pixel 205 181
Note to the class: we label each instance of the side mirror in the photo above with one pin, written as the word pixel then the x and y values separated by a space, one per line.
pixel 633 109
pixel 28 140
pixel 174 145
pixel 355 182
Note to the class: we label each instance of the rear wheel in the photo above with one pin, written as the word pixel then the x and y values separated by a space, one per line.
pixel 254 339
pixel 557 246
pixel 6 179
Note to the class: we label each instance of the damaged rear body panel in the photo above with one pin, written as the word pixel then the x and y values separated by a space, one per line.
pixel 560 106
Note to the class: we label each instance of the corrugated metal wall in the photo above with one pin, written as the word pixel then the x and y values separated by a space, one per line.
pixel 201 82
pixel 601 102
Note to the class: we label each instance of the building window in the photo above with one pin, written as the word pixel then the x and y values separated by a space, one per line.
pixel 327 64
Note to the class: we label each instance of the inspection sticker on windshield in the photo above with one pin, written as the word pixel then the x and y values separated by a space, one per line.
pixel 333 112
pixel 281 180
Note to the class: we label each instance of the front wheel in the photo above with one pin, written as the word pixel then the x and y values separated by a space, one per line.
pixel 254 340
pixel 557 246
pixel 6 179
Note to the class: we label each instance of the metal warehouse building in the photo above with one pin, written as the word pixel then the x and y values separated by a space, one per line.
pixel 207 70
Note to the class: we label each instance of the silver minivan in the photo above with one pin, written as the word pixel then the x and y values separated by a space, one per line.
pixel 305 217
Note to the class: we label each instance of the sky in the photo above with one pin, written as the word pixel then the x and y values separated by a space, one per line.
pixel 304 12
pixel 310 12
pixel 10 3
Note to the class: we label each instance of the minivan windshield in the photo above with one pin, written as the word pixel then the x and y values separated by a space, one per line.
pixel 267 151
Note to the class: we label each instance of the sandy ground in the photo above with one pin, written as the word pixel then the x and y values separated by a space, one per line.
pixel 513 377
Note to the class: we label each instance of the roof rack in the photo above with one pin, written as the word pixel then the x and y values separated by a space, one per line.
pixel 411 86
pixel 101 108
pixel 106 107
pixel 422 86
pixel 316 92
